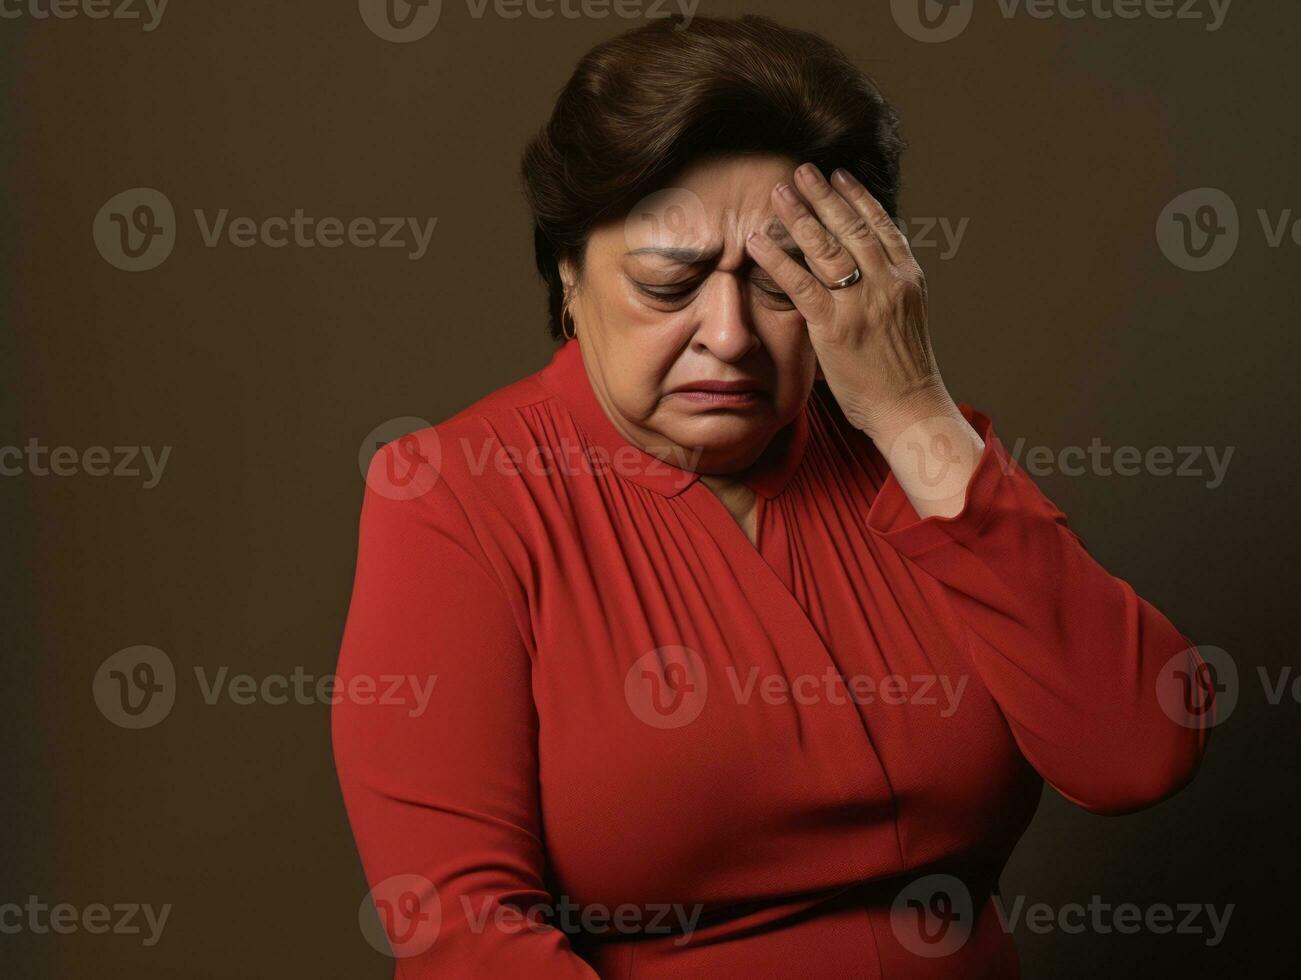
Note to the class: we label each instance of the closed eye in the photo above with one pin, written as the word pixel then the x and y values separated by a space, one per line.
pixel 770 289
pixel 669 293
pixel 678 292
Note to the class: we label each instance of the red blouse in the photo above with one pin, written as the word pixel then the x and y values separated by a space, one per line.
pixel 687 756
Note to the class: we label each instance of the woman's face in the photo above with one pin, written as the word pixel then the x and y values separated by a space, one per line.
pixel 669 305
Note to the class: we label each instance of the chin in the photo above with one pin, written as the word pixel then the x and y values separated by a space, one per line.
pixel 726 436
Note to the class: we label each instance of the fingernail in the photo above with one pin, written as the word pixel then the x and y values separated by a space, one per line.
pixel 787 193
pixel 842 177
pixel 808 173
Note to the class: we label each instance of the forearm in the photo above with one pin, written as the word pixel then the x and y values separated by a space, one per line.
pixel 1077 661
pixel 932 450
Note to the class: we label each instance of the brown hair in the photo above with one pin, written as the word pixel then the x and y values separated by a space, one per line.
pixel 644 104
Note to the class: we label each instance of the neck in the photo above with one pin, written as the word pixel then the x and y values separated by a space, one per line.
pixel 722 482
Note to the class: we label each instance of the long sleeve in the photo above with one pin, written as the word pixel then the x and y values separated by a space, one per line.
pixel 1074 658
pixel 440 783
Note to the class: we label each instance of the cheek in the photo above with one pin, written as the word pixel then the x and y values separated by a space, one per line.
pixel 793 358
pixel 640 355
pixel 638 345
pixel 647 343
pixel 786 339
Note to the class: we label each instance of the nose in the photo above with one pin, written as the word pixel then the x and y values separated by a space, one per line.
pixel 725 329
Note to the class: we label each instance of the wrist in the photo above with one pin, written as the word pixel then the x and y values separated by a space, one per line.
pixel 926 404
pixel 932 450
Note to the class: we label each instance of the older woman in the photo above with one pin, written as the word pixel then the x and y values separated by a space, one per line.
pixel 752 648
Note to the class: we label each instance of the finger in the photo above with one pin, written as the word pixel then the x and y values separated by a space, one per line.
pixel 810 296
pixel 892 239
pixel 843 220
pixel 827 259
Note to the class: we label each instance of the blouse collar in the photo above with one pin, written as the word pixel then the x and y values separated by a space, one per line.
pixel 566 378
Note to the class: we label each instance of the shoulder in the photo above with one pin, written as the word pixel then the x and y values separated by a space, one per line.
pixel 474 477
pixel 464 449
pixel 449 493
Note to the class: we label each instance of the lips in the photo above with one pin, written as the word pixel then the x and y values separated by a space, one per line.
pixel 737 394
pixel 720 387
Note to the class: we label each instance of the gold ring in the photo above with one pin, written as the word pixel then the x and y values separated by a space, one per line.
pixel 849 280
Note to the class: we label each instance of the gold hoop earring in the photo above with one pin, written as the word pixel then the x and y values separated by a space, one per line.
pixel 572 333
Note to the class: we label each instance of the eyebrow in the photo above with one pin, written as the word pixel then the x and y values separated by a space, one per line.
pixel 694 256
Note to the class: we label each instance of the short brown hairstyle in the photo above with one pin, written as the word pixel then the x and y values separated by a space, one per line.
pixel 641 106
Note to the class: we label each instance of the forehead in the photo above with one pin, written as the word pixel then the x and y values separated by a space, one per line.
pixel 711 205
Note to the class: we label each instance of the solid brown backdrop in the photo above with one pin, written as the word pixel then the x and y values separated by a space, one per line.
pixel 1060 140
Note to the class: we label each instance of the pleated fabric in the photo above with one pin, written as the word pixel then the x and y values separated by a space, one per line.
pixel 805 757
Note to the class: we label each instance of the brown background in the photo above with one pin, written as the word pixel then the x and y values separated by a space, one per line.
pixel 1060 140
